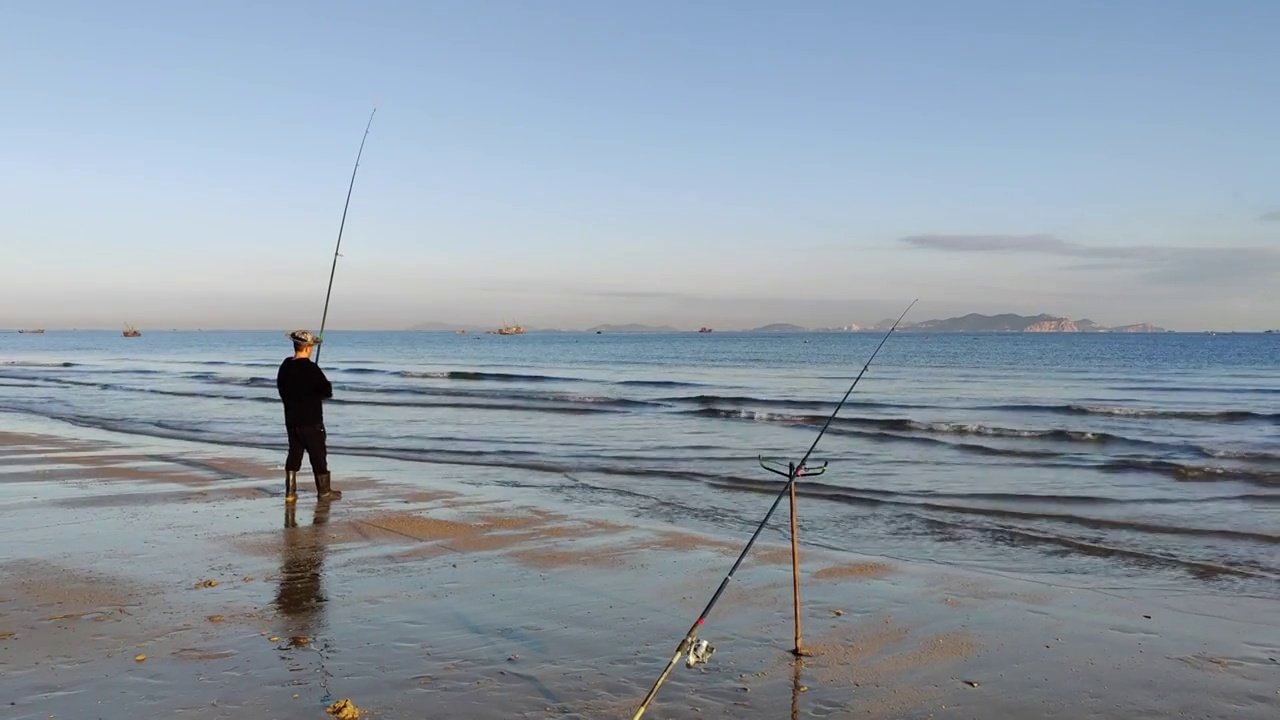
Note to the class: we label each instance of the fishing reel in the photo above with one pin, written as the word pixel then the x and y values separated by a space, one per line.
pixel 699 654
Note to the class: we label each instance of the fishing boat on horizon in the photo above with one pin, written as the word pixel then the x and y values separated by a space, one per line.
pixel 511 330
pixel 35 331
pixel 131 331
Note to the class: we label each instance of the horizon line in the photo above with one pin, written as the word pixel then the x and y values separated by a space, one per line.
pixel 650 330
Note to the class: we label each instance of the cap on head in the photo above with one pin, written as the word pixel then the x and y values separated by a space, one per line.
pixel 304 337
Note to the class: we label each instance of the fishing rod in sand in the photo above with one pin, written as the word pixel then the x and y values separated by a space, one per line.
pixel 700 651
pixel 315 357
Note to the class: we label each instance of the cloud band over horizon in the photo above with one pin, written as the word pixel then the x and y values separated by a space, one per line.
pixel 1225 267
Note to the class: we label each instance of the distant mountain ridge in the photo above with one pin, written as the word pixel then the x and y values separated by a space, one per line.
pixel 632 328
pixel 780 327
pixel 435 326
pixel 971 323
pixel 1011 323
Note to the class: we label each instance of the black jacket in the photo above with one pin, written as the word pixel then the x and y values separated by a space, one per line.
pixel 303 388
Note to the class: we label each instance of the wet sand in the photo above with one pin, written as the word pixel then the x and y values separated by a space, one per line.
pixel 139 583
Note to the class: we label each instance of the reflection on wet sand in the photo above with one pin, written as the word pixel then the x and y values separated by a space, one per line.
pixel 300 593
pixel 300 597
pixel 796 687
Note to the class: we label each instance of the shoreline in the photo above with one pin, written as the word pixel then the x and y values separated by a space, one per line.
pixel 417 590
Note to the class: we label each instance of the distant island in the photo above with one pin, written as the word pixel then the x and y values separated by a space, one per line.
pixel 975 323
pixel 436 326
pixel 1011 323
pixel 971 323
pixel 633 328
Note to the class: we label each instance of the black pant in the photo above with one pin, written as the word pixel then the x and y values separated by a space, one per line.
pixel 310 438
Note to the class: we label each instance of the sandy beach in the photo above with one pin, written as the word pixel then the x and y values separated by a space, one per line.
pixel 162 581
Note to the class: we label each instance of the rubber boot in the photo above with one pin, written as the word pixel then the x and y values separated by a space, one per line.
pixel 322 487
pixel 290 486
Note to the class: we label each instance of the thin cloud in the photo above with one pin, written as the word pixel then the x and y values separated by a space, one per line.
pixel 1037 244
pixel 638 294
pixel 1217 266
pixel 1156 265
pixel 1273 216
pixel 990 243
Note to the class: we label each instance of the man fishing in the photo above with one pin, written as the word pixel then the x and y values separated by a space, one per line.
pixel 303 389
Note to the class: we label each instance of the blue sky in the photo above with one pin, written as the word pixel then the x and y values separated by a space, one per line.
pixel 569 163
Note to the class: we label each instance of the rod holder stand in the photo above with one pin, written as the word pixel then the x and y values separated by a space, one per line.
pixel 789 469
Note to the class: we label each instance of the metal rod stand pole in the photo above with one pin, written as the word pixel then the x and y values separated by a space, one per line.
pixel 799 650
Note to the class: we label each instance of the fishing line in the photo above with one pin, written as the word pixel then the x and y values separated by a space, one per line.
pixel 334 268
pixel 700 652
